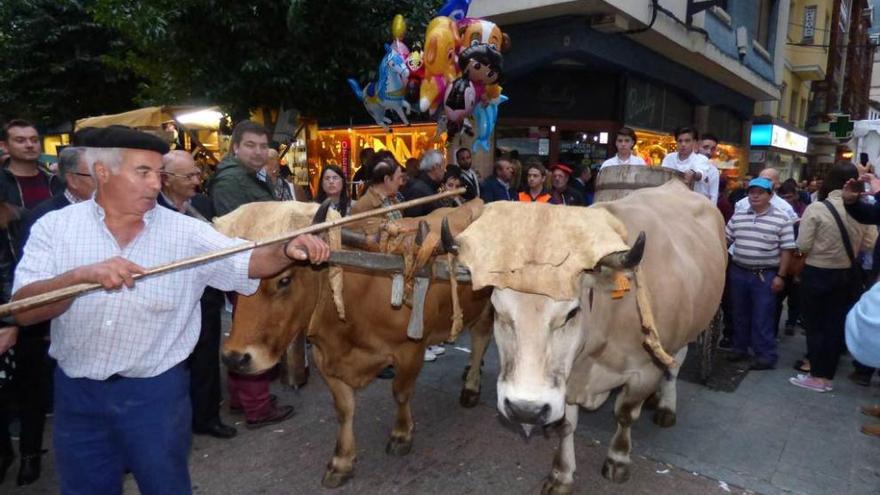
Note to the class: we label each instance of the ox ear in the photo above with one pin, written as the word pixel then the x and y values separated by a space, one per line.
pixel 626 260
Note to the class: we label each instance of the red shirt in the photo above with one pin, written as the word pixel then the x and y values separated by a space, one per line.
pixel 34 189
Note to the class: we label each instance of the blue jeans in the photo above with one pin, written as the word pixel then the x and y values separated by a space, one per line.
pixel 105 427
pixel 754 312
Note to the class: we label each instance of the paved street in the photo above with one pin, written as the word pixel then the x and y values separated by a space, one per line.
pixel 768 437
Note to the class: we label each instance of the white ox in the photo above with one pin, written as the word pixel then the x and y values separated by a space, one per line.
pixel 559 354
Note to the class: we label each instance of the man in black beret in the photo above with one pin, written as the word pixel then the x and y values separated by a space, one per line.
pixel 121 385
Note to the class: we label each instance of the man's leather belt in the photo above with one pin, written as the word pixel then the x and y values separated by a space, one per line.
pixel 757 269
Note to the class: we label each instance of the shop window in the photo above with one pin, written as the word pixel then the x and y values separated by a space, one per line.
pixel 528 142
pixel 583 147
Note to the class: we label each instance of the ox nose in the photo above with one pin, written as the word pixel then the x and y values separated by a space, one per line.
pixel 237 361
pixel 528 412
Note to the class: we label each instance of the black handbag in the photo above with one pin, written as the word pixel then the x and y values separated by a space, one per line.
pixel 858 284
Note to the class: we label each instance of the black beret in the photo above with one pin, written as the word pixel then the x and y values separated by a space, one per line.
pixel 119 136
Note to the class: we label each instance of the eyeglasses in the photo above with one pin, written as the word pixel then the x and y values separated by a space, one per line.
pixel 190 176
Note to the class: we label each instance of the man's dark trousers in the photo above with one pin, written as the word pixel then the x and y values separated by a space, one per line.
pixel 204 363
pixel 104 427
pixel 754 312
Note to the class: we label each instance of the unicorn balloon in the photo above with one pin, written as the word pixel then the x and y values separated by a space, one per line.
pixel 388 92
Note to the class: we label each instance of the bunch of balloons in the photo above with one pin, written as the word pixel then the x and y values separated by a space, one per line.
pixel 455 78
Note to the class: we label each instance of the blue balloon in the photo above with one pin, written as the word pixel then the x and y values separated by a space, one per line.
pixel 484 123
pixel 456 9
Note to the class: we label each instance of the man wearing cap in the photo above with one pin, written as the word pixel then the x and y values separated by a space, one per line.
pixel 121 385
pixel 763 241
pixel 560 193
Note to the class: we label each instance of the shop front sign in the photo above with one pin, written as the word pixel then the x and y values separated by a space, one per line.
pixel 778 137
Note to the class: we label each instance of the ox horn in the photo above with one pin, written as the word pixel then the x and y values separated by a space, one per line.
pixel 359 240
pixel 449 244
pixel 423 232
pixel 321 214
pixel 626 259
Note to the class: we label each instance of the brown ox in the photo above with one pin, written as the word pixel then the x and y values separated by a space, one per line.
pixel 350 353
pixel 559 354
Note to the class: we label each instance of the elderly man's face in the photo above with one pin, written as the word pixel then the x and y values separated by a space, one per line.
pixel 504 170
pixel 23 143
pixel 252 151
pixel 181 177
pixel 80 182
pixel 559 179
pixel 437 172
pixel 133 187
pixel 273 165
pixel 772 174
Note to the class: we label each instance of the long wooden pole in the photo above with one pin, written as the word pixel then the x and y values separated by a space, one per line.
pixel 79 289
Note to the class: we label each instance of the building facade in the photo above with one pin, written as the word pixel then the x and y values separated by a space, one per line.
pixel 806 53
pixel 845 90
pixel 577 71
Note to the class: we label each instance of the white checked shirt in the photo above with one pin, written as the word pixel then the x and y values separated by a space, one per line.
pixel 139 332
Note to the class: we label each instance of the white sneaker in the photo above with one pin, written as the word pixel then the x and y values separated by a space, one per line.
pixel 430 356
pixel 437 350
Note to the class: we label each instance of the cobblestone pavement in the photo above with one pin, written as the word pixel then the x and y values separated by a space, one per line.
pixel 768 437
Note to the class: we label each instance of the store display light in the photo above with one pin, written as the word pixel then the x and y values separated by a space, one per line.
pixel 204 118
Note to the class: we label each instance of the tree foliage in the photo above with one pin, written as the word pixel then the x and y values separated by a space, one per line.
pixel 51 63
pixel 261 53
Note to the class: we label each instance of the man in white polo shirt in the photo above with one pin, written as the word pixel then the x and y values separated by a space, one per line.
pixel 624 142
pixel 772 175
pixel 708 147
pixel 694 166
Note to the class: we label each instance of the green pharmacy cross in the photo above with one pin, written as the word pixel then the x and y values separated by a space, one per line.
pixel 842 127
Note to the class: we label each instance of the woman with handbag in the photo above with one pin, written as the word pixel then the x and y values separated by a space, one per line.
pixel 831 280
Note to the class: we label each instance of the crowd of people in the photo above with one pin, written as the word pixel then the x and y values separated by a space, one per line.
pixel 811 244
